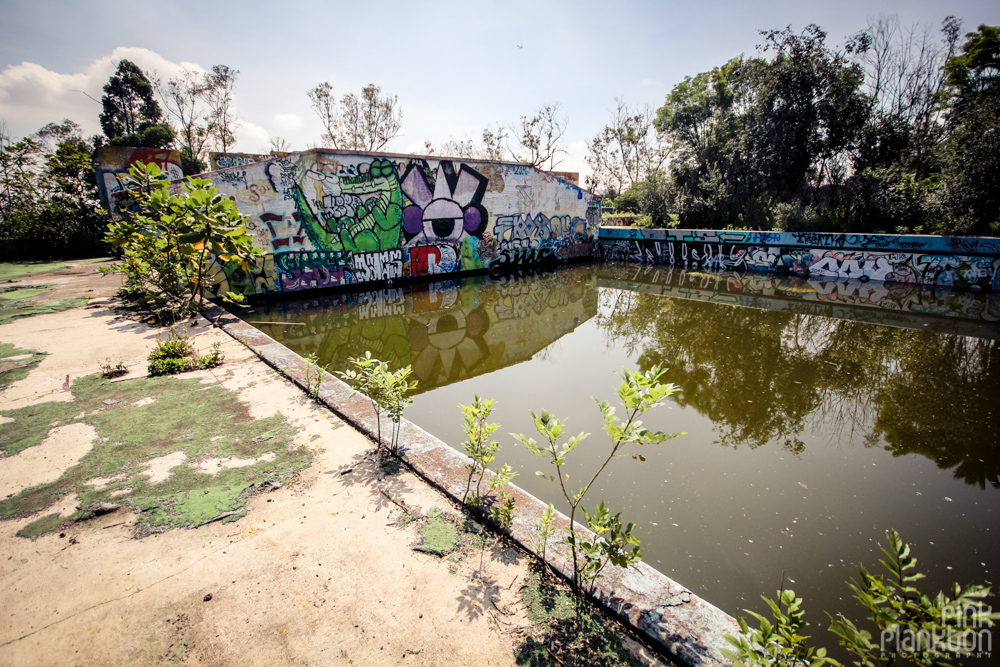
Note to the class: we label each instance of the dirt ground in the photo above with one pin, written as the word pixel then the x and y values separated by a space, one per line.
pixel 320 571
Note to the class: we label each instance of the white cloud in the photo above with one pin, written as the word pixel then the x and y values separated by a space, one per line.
pixel 287 122
pixel 31 95
pixel 251 138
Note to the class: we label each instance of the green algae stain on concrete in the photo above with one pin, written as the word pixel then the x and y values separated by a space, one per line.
pixel 141 421
pixel 440 537
pixel 24 301
pixel 15 363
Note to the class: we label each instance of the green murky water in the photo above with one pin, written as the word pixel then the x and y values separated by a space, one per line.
pixel 818 415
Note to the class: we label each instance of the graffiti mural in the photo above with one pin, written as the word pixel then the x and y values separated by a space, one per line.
pixel 862 257
pixel 328 219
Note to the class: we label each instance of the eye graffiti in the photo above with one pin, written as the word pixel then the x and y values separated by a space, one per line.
pixel 450 211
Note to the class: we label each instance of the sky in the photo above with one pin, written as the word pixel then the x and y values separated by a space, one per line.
pixel 456 67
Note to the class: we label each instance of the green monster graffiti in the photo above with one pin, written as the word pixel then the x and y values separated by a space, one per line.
pixel 375 225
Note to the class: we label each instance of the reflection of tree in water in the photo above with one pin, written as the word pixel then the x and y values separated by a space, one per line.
pixel 760 375
pixel 942 402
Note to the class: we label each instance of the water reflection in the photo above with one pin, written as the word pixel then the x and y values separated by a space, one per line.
pixel 766 375
pixel 448 331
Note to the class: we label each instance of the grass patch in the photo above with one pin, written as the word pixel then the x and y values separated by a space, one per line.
pixel 11 270
pixel 12 370
pixel 567 627
pixel 440 537
pixel 16 301
pixel 203 421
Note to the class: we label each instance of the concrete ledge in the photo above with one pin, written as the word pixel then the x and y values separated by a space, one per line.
pixel 673 618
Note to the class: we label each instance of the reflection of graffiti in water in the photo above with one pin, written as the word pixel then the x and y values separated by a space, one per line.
pixel 447 331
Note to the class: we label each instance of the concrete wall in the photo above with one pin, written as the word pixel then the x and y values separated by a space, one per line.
pixel 111 164
pixel 333 218
pixel 929 260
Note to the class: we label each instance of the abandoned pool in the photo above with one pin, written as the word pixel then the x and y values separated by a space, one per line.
pixel 817 414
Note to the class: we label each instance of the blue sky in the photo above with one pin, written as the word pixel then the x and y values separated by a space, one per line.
pixel 455 66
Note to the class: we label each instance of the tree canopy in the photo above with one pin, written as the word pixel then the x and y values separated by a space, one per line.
pixel 131 115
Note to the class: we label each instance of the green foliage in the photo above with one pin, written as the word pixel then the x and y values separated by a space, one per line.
pixel 502 507
pixel 875 136
pixel 173 244
pixel 48 201
pixel 927 630
pixel 131 115
pixel 778 643
pixel 478 445
pixel 176 354
pixel 387 390
pixel 638 393
pixel 544 530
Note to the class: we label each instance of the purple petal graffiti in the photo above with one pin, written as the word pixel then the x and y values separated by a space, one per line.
pixel 449 211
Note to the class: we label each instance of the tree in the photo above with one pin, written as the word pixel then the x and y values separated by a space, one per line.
pixel 184 99
pixel 539 137
pixel 627 150
pixel 131 116
pixel 977 69
pixel 971 153
pixel 494 143
pixel 223 120
pixel 325 105
pixel 174 245
pixel 279 145
pixel 364 122
pixel 48 198
pixel 904 82
pixel 369 121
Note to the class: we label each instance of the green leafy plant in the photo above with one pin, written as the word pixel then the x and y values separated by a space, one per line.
pixel 638 393
pixel 502 505
pixel 478 445
pixel 173 245
pixel 544 531
pixel 927 630
pixel 176 354
pixel 387 390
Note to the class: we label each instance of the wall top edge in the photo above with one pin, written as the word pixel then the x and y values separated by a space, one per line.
pixel 832 240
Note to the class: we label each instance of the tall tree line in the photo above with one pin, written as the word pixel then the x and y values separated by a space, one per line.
pixel 894 131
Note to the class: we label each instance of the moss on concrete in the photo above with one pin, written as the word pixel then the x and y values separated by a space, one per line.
pixel 440 537
pixel 13 367
pixel 21 301
pixel 184 415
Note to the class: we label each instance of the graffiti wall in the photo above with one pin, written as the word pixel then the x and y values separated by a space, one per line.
pixel 111 164
pixel 333 218
pixel 927 260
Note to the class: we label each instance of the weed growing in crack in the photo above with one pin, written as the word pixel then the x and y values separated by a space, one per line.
pixel 113 370
pixel 314 375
